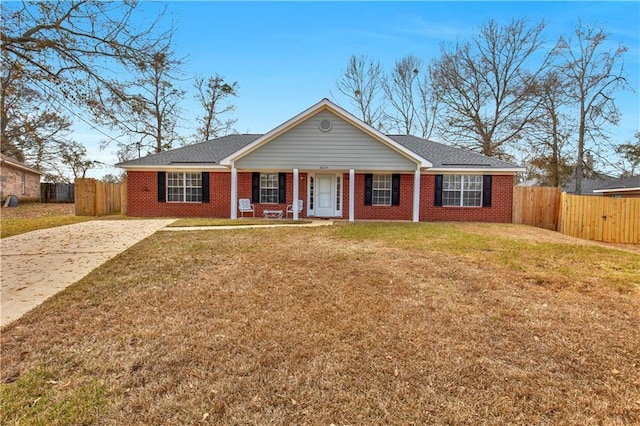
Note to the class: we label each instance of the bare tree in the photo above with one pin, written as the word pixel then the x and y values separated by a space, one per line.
pixel 214 95
pixel 550 131
pixel 72 51
pixel 485 86
pixel 150 112
pixel 412 102
pixel 74 156
pixel 593 75
pixel 361 83
pixel 32 127
pixel 630 153
pixel 400 88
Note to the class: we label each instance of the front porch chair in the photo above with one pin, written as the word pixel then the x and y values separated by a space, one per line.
pixel 290 208
pixel 245 206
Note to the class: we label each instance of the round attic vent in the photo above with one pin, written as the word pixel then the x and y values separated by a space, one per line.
pixel 325 125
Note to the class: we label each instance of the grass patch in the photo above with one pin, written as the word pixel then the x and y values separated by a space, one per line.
pixel 236 222
pixel 351 324
pixel 14 226
pixel 537 261
pixel 39 397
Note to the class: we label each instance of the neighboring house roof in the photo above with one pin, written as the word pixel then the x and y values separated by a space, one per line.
pixel 631 183
pixel 220 153
pixel 589 184
pixel 4 159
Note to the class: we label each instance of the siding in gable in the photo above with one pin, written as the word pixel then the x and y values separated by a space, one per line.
pixel 342 148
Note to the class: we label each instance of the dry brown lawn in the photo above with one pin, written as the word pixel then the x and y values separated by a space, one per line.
pixel 34 210
pixel 346 325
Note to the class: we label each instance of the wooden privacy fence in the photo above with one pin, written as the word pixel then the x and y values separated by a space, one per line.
pixel 536 206
pixel 57 193
pixel 94 198
pixel 613 220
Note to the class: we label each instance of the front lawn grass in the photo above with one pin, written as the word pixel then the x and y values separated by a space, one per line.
pixel 352 324
pixel 14 226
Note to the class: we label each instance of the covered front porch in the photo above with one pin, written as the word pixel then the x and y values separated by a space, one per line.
pixel 349 194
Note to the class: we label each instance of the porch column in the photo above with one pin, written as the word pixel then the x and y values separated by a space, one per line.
pixel 294 204
pixel 234 193
pixel 416 196
pixel 352 192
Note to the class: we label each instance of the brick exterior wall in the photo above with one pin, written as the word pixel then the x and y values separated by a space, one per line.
pixel 143 199
pixel 11 183
pixel 500 210
pixel 402 212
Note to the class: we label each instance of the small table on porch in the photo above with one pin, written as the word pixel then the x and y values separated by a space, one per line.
pixel 272 214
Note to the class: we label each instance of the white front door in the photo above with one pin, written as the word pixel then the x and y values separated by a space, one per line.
pixel 325 195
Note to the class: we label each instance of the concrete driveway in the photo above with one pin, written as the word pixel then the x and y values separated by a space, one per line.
pixel 38 264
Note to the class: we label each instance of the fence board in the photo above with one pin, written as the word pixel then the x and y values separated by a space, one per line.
pixel 613 220
pixel 94 198
pixel 536 206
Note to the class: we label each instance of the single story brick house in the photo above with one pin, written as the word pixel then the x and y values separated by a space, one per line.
pixel 339 166
pixel 16 178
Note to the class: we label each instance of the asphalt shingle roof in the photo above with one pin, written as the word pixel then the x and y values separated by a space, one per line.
pixel 213 151
pixel 625 183
pixel 588 184
pixel 444 156
pixel 209 152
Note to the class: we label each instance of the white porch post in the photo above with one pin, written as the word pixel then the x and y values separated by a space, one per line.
pixel 295 194
pixel 234 193
pixel 352 192
pixel 416 196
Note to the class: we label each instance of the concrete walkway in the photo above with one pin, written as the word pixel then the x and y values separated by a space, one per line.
pixel 36 265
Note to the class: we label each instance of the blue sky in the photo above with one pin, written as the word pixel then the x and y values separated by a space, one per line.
pixel 287 56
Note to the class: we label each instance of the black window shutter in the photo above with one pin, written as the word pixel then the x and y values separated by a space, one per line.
pixel 205 187
pixel 282 188
pixel 368 189
pixel 255 187
pixel 486 190
pixel 162 187
pixel 437 201
pixel 395 190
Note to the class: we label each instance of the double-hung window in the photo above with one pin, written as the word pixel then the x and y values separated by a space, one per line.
pixel 462 190
pixel 381 190
pixel 269 188
pixel 184 187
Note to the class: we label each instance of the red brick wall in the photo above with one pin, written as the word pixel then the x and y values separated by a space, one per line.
pixel 142 193
pixel 500 210
pixel 143 199
pixel 402 212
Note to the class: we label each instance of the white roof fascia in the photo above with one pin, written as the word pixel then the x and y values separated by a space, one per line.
pixel 309 112
pixel 200 167
pixel 469 170
pixel 637 188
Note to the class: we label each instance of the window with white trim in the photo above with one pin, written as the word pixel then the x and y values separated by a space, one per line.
pixel 381 190
pixel 184 187
pixel 269 188
pixel 462 190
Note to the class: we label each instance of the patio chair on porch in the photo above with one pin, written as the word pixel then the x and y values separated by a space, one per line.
pixel 245 206
pixel 290 208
